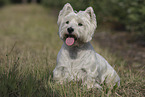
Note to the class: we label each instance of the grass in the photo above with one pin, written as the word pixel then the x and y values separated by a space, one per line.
pixel 28 48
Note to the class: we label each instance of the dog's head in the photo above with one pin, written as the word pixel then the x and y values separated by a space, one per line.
pixel 76 27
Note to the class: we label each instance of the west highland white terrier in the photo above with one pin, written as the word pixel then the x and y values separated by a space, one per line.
pixel 77 60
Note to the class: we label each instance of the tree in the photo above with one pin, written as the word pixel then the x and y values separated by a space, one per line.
pixel 24 1
pixel 34 1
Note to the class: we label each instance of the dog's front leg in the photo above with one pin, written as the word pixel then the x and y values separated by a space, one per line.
pixel 87 77
pixel 88 81
pixel 60 74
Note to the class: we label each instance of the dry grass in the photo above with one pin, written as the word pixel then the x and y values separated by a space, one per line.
pixel 28 48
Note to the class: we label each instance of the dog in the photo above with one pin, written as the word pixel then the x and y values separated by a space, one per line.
pixel 77 60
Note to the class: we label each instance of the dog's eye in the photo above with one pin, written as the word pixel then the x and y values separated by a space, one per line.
pixel 67 22
pixel 80 24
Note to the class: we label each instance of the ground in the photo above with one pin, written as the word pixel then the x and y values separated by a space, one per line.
pixel 28 48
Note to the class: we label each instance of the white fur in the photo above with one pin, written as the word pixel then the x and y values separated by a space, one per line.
pixel 80 61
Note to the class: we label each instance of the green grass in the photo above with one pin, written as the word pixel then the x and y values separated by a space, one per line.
pixel 28 48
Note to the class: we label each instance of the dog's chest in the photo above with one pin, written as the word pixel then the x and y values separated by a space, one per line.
pixel 79 61
pixel 75 67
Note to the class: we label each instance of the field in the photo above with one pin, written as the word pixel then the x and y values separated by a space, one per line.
pixel 28 48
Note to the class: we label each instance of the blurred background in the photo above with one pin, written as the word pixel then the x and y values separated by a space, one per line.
pixel 121 15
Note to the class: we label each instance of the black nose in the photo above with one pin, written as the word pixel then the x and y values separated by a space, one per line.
pixel 70 30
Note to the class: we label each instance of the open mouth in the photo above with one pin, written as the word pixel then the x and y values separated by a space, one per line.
pixel 70 39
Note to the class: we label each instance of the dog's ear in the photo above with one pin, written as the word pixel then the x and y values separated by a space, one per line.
pixel 65 11
pixel 92 15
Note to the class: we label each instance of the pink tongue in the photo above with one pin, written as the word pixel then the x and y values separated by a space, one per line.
pixel 69 41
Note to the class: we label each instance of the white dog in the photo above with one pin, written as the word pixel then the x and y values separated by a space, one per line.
pixel 77 59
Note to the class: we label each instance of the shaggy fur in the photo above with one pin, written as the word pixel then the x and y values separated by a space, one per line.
pixel 79 61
